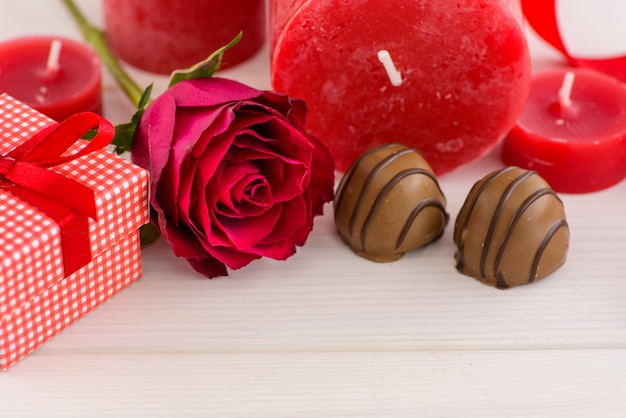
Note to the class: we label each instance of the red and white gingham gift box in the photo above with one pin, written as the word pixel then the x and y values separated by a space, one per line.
pixel 36 299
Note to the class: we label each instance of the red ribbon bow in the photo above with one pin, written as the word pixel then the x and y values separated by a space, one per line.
pixel 541 15
pixel 24 172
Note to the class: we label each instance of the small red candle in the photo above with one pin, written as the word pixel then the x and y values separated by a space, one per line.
pixel 448 77
pixel 572 130
pixel 59 77
pixel 165 35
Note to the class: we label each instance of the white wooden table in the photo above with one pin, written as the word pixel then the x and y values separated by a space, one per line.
pixel 329 334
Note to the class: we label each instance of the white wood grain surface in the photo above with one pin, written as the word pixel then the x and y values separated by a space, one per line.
pixel 329 334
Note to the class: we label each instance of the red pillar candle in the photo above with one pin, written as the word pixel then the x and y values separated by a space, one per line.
pixel 448 78
pixel 164 35
pixel 572 130
pixel 59 80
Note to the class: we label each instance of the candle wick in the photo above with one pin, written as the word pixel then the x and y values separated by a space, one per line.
pixel 395 76
pixel 52 65
pixel 565 93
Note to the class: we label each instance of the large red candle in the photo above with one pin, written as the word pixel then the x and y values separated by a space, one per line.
pixel 572 130
pixel 60 87
pixel 448 77
pixel 164 35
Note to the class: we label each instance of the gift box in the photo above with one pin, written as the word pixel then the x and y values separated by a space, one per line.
pixel 55 268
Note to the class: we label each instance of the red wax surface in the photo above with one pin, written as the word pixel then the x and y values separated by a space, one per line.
pixel 465 66
pixel 74 88
pixel 579 148
pixel 161 36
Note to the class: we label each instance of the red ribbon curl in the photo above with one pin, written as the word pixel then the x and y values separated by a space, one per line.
pixel 24 172
pixel 541 15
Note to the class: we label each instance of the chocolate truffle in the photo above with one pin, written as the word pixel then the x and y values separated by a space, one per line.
pixel 511 229
pixel 389 202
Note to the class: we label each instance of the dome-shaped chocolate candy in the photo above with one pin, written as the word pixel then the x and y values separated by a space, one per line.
pixel 389 202
pixel 511 229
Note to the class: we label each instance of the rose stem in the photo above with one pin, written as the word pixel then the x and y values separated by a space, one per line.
pixel 95 37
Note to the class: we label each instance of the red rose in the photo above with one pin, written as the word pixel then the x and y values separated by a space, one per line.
pixel 234 174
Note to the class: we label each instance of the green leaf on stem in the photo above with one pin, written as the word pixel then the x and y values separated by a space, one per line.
pixel 125 132
pixel 205 68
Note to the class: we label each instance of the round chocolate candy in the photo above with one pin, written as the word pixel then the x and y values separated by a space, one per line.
pixel 389 202
pixel 511 229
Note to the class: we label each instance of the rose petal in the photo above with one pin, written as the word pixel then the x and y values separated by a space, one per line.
pixel 322 177
pixel 152 143
pixel 233 258
pixel 154 136
pixel 244 192
pixel 287 107
pixel 198 172
pixel 200 131
pixel 184 242
pixel 295 147
pixel 295 215
pixel 212 91
pixel 246 232
pixel 193 134
pixel 278 250
pixel 209 267
pixel 287 176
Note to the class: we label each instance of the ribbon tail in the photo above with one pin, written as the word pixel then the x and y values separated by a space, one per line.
pixel 75 241
pixel 73 226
